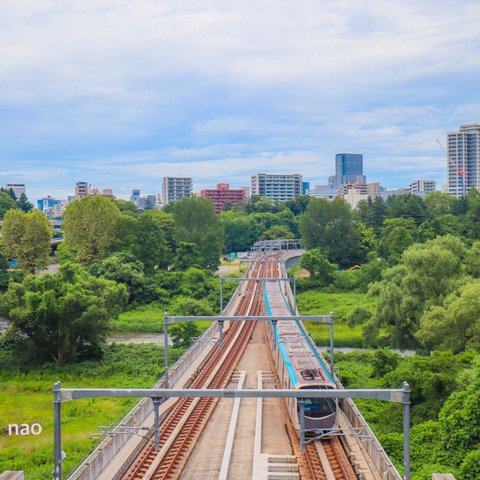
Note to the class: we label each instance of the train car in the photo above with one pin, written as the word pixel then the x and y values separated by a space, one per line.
pixel 298 364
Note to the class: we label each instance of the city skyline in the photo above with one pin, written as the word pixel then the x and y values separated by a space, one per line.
pixel 122 95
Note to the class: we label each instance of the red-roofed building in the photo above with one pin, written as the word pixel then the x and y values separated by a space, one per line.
pixel 222 195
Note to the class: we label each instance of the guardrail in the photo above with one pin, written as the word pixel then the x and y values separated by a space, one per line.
pixel 371 444
pixel 97 461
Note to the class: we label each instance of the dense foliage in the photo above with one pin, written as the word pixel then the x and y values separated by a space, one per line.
pixel 61 317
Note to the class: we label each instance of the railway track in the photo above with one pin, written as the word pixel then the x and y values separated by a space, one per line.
pixel 338 460
pixel 179 432
pixel 183 426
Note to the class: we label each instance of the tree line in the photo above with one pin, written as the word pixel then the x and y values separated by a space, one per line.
pixel 418 256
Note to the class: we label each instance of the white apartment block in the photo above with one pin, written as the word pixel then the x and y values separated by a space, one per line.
pixel 175 188
pixel 463 159
pixel 425 186
pixel 276 187
pixel 18 189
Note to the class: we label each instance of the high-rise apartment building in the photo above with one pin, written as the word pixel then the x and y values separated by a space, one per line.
pixel 463 159
pixel 18 189
pixel 223 195
pixel 175 188
pixel 348 168
pixel 423 186
pixel 276 187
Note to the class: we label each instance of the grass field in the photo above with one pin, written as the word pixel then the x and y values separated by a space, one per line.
pixel 26 397
pixel 147 319
pixel 317 302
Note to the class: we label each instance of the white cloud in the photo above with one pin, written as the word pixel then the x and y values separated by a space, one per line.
pixel 107 89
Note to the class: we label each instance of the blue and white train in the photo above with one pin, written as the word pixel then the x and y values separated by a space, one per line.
pixel 298 363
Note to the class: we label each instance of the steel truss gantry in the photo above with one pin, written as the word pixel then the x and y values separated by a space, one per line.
pixel 399 395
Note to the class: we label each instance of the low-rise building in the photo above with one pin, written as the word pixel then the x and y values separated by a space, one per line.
pixel 17 188
pixel 52 207
pixel 328 192
pixel 425 186
pixel 224 195
pixel 84 189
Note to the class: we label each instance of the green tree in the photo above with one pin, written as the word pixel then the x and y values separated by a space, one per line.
pixel 240 233
pixel 6 203
pixel 460 423
pixel 439 203
pixel 456 324
pixel 125 206
pixel 472 217
pixel 123 268
pixel 26 238
pixel 90 227
pixel 277 232
pixel 472 260
pixel 24 204
pixel 62 317
pixel 197 223
pixel 183 334
pixel 372 213
pixel 397 235
pixel 406 206
pixel 126 233
pixel 186 256
pixel 329 226
pixel 150 245
pixel 260 204
pixel 317 264
pixel 298 205
pixel 425 276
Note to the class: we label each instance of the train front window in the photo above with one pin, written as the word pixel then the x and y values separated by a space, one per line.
pixel 319 407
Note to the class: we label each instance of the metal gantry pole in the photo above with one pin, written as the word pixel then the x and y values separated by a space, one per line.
pixel 274 326
pixel 406 431
pixel 156 425
pixel 57 432
pixel 220 334
pixel 295 294
pixel 165 347
pixel 332 361
pixel 221 294
pixel 302 424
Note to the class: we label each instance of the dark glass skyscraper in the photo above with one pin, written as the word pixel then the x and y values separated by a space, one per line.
pixel 349 168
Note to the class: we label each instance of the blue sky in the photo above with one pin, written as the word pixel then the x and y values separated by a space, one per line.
pixel 121 93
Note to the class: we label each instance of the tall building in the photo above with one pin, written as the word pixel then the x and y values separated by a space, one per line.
pixel 18 189
pixel 135 196
pixel 175 188
pixel 277 187
pixel 223 195
pixel 463 159
pixel 425 186
pixel 348 168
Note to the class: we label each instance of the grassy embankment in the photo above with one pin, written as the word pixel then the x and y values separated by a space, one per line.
pixel 26 397
pixel 318 302
pixel 146 319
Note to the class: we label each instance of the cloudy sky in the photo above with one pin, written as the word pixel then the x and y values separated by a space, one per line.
pixel 120 93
